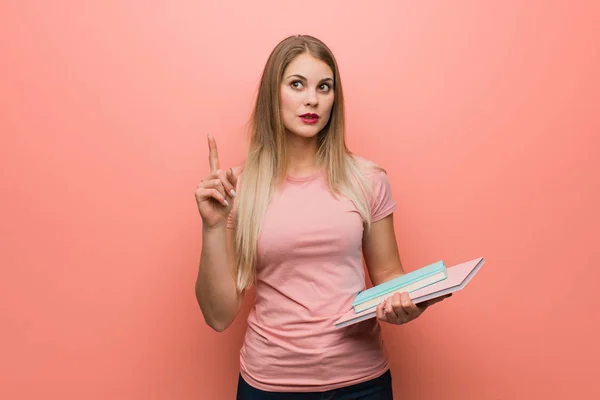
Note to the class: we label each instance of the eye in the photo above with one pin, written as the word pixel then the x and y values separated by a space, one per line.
pixel 325 87
pixel 296 84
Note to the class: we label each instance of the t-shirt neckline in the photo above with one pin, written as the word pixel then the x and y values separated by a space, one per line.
pixel 306 178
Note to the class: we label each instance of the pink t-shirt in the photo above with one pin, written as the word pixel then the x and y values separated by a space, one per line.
pixel 310 268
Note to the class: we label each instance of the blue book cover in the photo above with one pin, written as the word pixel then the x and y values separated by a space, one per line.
pixel 399 282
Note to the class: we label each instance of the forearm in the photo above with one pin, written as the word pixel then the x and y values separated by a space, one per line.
pixel 216 290
pixel 386 274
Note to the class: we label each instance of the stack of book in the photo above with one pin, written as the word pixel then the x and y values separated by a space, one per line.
pixel 422 284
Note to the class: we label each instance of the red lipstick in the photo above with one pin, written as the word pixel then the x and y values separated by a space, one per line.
pixel 309 118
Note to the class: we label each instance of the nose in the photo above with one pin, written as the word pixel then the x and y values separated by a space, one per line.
pixel 312 99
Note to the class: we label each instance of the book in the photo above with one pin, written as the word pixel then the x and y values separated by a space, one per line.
pixel 458 277
pixel 408 282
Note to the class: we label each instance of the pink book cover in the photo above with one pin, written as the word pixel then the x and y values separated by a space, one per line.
pixel 458 277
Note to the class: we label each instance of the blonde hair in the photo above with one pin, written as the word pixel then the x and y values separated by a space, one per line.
pixel 266 162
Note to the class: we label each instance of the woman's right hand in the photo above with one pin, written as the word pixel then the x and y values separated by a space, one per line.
pixel 216 192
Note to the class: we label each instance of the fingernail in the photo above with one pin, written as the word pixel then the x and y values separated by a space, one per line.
pixel 226 203
pixel 232 192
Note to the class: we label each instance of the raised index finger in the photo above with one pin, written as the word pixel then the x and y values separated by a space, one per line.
pixel 213 155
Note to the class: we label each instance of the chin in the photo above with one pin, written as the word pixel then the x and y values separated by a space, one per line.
pixel 307 132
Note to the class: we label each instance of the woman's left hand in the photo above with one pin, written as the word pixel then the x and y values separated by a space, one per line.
pixel 400 309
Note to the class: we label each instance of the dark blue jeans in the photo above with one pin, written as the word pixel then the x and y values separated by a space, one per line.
pixel 376 389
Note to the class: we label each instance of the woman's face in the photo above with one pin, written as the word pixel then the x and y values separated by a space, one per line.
pixel 306 96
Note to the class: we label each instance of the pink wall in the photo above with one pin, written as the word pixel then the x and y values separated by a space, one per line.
pixel 486 117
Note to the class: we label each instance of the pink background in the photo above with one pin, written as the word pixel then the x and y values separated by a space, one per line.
pixel 485 115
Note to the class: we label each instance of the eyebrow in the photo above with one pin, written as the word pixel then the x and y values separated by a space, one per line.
pixel 304 79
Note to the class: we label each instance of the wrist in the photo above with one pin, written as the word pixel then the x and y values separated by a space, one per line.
pixel 212 229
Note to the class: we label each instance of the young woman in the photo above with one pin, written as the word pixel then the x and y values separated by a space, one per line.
pixel 296 221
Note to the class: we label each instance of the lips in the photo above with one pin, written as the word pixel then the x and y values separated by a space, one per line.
pixel 309 118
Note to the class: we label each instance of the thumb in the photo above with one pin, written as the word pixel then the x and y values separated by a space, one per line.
pixel 232 174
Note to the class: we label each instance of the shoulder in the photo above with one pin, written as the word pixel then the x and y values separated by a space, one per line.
pixel 370 170
pixel 380 197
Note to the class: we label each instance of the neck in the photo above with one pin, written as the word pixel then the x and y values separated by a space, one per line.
pixel 301 155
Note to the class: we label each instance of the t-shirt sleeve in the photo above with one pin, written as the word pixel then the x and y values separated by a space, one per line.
pixel 382 200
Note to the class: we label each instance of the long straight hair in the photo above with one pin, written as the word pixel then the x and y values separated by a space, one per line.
pixel 266 162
